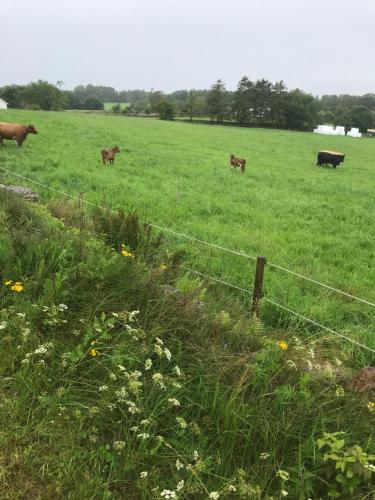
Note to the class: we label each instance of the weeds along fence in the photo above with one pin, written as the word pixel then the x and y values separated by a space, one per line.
pixel 256 294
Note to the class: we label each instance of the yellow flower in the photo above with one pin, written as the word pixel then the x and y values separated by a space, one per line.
pixel 125 253
pixel 8 282
pixel 371 406
pixel 93 342
pixel 283 345
pixel 163 267
pixel 93 353
pixel 17 287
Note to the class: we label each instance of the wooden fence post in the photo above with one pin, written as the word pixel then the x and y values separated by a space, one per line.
pixel 258 286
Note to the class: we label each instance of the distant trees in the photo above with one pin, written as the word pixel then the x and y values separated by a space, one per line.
pixel 93 103
pixel 253 103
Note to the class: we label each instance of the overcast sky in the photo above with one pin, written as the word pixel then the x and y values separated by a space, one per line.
pixel 321 46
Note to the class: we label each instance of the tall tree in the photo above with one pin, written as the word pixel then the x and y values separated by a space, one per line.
pixel 217 102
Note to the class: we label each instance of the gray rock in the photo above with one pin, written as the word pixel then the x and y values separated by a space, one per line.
pixel 25 192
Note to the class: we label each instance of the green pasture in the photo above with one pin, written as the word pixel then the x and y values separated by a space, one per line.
pixel 109 105
pixel 315 221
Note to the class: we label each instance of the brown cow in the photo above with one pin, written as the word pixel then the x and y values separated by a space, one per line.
pixel 237 162
pixel 109 155
pixel 14 131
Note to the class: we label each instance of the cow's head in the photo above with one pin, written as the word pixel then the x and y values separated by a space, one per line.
pixel 31 129
pixel 342 158
pixel 116 149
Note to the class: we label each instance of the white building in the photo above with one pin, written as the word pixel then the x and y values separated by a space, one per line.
pixel 3 104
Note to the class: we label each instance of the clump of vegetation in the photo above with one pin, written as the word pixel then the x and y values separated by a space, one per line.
pixel 123 377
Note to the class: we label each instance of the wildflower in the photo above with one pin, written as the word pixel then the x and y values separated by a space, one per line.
pixel 179 465
pixel 159 341
pixel 181 422
pixel 177 371
pixel 371 406
pixel 93 353
pixel 112 376
pixel 118 445
pixel 143 474
pixel 174 402
pixel 180 485
pixel 121 368
pixel 369 466
pixel 145 421
pixel 148 364
pixel 232 489
pixel 168 494
pixel 93 342
pixel 43 349
pixel 62 307
pixel 132 407
pixel 291 364
pixel 167 353
pixel 158 350
pixel 103 388
pixel 3 325
pixel 121 395
pixel 21 315
pixel 25 332
pixel 340 391
pixel 195 455
pixel 158 379
pixel 143 435
pixel 283 345
pixel 132 316
pixel 8 282
pixel 135 375
pixel 177 385
pixel 214 495
pixel 125 253
pixel 284 475
pixel 17 287
pixel 284 493
pixel 264 456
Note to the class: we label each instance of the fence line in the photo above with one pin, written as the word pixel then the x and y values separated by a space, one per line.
pixel 305 318
pixel 321 284
pixel 213 245
pixel 313 322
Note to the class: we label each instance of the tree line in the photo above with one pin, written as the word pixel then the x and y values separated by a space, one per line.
pixel 253 103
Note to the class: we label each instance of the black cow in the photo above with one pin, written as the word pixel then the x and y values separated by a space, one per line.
pixel 330 157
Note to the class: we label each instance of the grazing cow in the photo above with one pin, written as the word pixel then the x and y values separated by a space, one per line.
pixel 330 157
pixel 109 155
pixel 237 162
pixel 14 131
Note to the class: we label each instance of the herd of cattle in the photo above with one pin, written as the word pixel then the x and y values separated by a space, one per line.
pixel 16 132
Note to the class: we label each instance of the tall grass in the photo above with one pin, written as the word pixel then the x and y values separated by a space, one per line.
pixel 89 386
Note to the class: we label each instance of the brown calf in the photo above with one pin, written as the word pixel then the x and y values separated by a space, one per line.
pixel 16 132
pixel 237 162
pixel 109 155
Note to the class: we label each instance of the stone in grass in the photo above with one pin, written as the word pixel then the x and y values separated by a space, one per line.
pixel 25 192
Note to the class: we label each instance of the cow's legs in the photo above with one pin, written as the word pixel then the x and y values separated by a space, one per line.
pixel 19 142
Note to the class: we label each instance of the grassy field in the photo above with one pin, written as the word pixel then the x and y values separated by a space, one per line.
pixel 316 221
pixel 108 105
